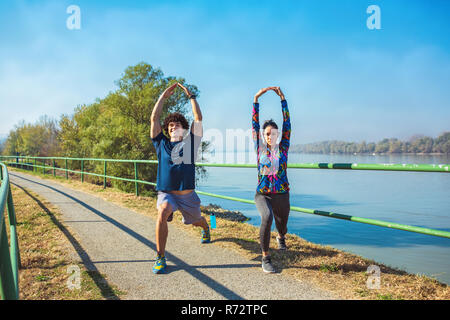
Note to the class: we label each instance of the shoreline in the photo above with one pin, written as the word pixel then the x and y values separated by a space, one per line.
pixel 220 212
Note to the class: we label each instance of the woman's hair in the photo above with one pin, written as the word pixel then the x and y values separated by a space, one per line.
pixel 269 123
pixel 175 117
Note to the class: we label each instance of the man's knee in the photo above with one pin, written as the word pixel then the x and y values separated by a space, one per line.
pixel 164 211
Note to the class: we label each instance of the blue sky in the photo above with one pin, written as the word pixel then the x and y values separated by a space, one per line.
pixel 342 80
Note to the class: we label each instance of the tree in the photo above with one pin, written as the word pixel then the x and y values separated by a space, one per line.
pixel 416 144
pixel 38 139
pixel 395 146
pixel 2 145
pixel 118 126
pixel 442 143
pixel 382 146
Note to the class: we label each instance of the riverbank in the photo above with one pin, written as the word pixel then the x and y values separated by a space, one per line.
pixel 334 270
pixel 222 213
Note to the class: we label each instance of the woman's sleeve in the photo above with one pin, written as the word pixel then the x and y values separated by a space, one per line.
pixel 286 133
pixel 255 126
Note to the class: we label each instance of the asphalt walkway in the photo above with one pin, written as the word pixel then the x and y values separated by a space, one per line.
pixel 120 243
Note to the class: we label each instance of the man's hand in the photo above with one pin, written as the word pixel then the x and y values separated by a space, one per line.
pixel 169 91
pixel 186 91
pixel 155 126
pixel 195 107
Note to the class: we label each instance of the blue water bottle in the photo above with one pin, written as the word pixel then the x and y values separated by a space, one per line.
pixel 212 219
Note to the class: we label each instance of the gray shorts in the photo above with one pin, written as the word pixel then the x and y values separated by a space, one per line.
pixel 187 204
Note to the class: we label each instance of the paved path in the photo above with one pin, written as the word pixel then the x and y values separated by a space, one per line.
pixel 120 243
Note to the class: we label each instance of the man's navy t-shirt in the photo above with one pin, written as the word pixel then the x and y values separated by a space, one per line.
pixel 176 171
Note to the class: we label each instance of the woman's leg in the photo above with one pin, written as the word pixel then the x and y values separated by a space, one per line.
pixel 265 210
pixel 281 208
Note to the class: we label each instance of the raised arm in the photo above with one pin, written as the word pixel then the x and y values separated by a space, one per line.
pixel 255 117
pixel 286 134
pixel 157 110
pixel 196 127
pixel 255 124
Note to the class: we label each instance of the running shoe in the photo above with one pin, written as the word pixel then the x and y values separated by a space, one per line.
pixel 206 236
pixel 267 265
pixel 160 265
pixel 281 243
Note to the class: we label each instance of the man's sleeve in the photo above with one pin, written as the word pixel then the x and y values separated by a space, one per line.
pixel 197 128
pixel 157 140
pixel 196 143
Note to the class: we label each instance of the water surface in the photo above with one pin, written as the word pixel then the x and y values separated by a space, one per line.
pixel 413 198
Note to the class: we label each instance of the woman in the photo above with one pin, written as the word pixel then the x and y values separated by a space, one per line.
pixel 272 192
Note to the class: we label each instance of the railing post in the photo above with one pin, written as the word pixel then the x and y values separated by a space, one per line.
pixel 15 256
pixel 43 166
pixel 35 163
pixel 54 169
pixel 7 286
pixel 9 257
pixel 104 174
pixel 82 169
pixel 67 173
pixel 136 186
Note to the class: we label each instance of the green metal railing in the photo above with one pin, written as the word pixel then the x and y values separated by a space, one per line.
pixel 442 168
pixel 9 253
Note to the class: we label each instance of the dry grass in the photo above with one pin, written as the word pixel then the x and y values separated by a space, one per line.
pixel 47 251
pixel 342 273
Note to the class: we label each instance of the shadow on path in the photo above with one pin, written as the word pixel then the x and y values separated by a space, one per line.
pixel 106 290
pixel 180 264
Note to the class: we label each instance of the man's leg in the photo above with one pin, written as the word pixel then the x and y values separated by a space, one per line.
pixel 164 210
pixel 206 235
pixel 202 223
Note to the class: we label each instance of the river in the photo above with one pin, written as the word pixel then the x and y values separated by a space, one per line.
pixel 413 198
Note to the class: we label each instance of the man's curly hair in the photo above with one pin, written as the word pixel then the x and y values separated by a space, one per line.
pixel 175 117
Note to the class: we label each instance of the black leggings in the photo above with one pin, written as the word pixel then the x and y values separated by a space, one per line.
pixel 269 206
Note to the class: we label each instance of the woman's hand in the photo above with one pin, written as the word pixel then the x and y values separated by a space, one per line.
pixel 278 92
pixel 260 93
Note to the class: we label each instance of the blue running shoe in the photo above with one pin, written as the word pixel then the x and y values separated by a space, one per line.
pixel 160 265
pixel 206 236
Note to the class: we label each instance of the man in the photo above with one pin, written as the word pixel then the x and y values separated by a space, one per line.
pixel 175 181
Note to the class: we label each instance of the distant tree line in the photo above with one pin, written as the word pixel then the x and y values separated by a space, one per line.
pixel 2 144
pixel 115 127
pixel 416 144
